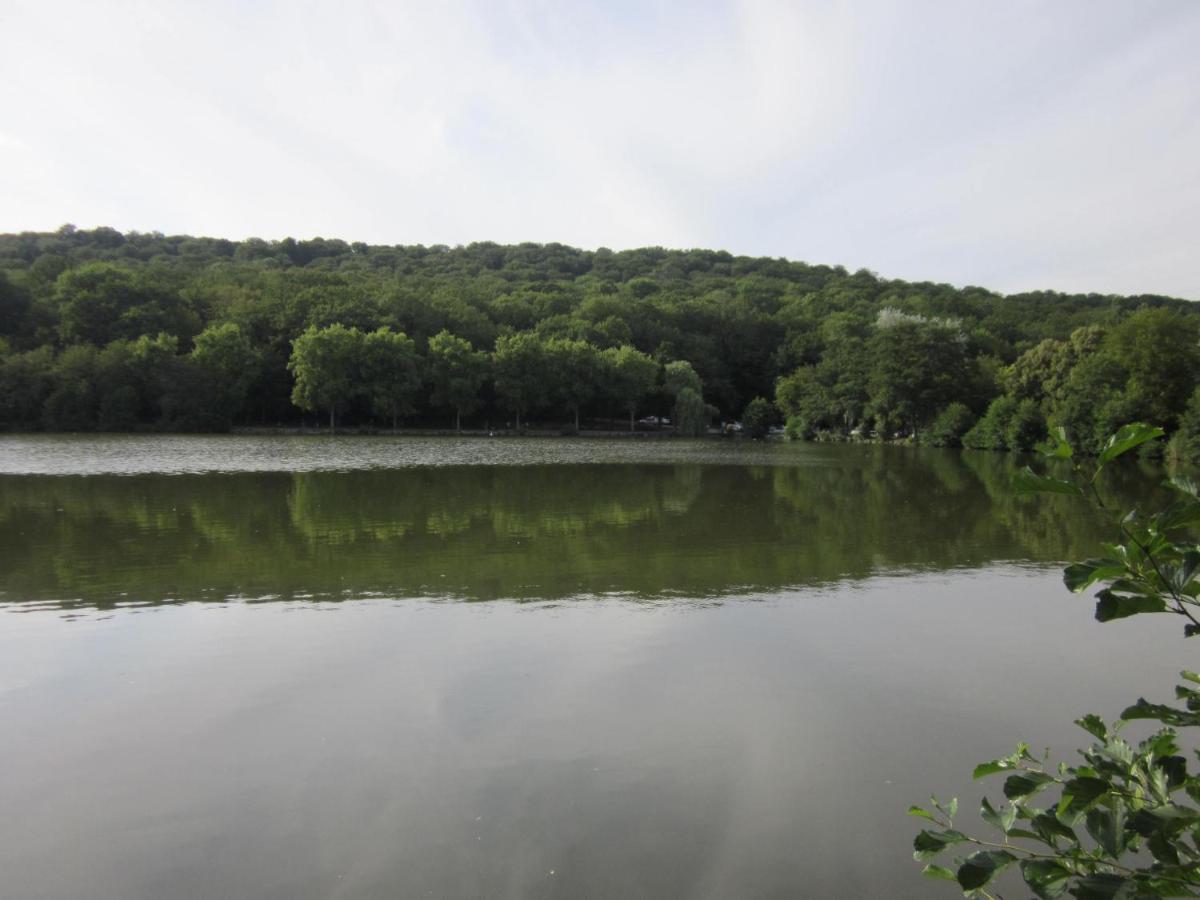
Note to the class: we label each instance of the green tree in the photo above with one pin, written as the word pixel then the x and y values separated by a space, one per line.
pixel 519 366
pixel 630 376
pixel 390 372
pixel 325 364
pixel 574 369
pixel 457 373
pixel 918 367
pixel 691 414
pixel 950 425
pixel 757 417
pixel 225 354
pixel 678 375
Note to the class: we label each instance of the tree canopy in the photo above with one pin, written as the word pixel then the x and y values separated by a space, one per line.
pixel 554 333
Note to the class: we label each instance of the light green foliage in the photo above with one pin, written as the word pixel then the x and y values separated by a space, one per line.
pixel 456 372
pixel 630 376
pixel 325 364
pixel 678 375
pixel 390 372
pixel 1125 823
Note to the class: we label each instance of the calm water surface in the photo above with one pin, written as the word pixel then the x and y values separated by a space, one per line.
pixel 258 667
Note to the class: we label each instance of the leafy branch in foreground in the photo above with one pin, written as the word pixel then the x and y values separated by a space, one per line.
pixel 1119 825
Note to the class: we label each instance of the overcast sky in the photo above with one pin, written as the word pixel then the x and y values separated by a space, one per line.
pixel 1013 144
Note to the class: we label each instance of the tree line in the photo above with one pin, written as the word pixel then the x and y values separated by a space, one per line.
pixel 112 331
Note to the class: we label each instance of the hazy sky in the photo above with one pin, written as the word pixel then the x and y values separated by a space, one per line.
pixel 1008 143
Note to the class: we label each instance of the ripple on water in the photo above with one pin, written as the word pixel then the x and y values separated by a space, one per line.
pixel 121 454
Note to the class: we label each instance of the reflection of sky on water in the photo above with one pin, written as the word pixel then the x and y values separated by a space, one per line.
pixel 638 749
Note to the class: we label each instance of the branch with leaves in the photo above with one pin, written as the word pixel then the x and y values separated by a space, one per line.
pixel 1124 824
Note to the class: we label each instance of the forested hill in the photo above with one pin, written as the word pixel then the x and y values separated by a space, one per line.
pixel 100 329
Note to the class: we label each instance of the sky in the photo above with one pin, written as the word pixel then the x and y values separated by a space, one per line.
pixel 1015 145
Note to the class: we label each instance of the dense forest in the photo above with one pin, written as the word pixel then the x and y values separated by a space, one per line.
pixel 101 330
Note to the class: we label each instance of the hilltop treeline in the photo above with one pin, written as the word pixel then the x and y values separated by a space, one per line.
pixel 104 330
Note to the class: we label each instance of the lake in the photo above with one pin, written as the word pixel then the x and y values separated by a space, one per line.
pixel 297 667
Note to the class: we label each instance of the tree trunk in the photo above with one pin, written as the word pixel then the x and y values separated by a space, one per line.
pixel 518 420
pixel 331 419
pixel 393 420
pixel 631 428
pixel 577 420
pixel 457 419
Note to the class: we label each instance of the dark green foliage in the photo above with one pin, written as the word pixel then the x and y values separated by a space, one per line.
pixel 1008 424
pixel 951 424
pixel 757 417
pixel 690 413
pixel 847 351
pixel 1185 445
pixel 456 373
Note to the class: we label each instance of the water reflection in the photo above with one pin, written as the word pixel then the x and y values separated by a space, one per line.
pixel 526 532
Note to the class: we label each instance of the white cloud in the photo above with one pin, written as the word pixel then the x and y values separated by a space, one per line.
pixel 1014 145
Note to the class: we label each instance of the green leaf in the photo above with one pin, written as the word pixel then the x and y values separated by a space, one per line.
pixel 980 868
pixel 1057 446
pixel 1107 828
pixel 1099 887
pixel 929 843
pixel 918 811
pixel 991 768
pixel 1110 605
pixel 1185 485
pixel 1127 438
pixel 932 871
pixel 1049 827
pixel 1026 481
pixel 1168 715
pixel 1181 514
pixel 1025 784
pixel 1001 819
pixel 1093 725
pixel 1078 795
pixel 1082 575
pixel 1046 878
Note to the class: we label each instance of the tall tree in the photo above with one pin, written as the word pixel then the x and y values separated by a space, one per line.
pixel 630 376
pixel 519 363
pixel 325 364
pixel 390 372
pixel 225 353
pixel 456 372
pixel 574 368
